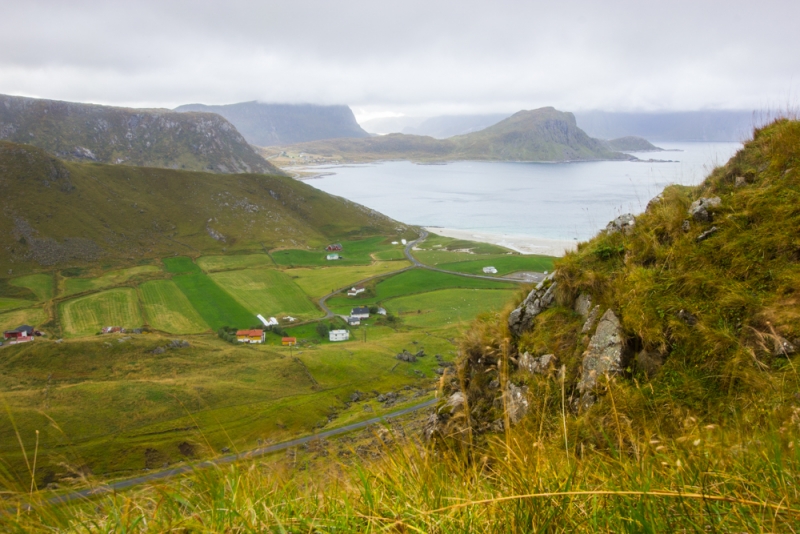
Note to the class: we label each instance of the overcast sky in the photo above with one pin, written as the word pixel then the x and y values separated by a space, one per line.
pixel 406 57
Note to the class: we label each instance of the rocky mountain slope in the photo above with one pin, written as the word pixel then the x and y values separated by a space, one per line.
pixel 59 213
pixel 631 143
pixel 282 124
pixel 544 134
pixel 140 137
pixel 684 315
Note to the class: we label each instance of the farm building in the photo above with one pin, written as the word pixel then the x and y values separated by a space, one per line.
pixel 334 247
pixel 250 336
pixel 381 311
pixel 355 291
pixel 490 270
pixel 362 312
pixel 113 330
pixel 330 257
pixel 289 341
pixel 339 335
pixel 353 321
pixel 21 334
pixel 272 321
pixel 403 241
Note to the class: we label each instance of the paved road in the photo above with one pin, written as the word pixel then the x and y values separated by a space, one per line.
pixel 261 451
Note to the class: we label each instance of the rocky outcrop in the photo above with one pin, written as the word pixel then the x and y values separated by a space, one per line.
pixel 540 365
pixel 699 210
pixel 623 223
pixel 604 356
pixel 517 402
pixel 649 361
pixel 783 347
pixel 590 320
pixel 539 299
pixel 583 304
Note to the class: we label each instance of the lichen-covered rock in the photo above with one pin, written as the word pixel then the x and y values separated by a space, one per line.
pixel 783 347
pixel 604 355
pixel 623 223
pixel 649 361
pixel 517 402
pixel 590 320
pixel 583 304
pixel 538 365
pixel 699 208
pixel 538 300
pixel 708 233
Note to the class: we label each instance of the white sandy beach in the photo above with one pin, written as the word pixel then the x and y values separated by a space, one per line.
pixel 520 243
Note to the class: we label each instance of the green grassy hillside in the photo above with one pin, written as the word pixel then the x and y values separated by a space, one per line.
pixel 140 137
pixel 80 213
pixel 544 134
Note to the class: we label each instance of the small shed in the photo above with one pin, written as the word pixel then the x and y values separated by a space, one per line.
pixel 331 257
pixel 21 334
pixel 353 321
pixel 334 247
pixel 289 341
pixel 490 270
pixel 339 335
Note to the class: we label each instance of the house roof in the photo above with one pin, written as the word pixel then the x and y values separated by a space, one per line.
pixel 359 310
pixel 289 339
pixel 23 328
pixel 251 333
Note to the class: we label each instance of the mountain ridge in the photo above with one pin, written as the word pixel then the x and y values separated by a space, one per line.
pixel 129 136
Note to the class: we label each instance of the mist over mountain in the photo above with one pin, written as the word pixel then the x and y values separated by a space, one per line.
pixel 279 124
pixel 669 126
pixel 127 136
pixel 446 126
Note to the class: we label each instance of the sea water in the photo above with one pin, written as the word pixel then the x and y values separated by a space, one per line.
pixel 547 200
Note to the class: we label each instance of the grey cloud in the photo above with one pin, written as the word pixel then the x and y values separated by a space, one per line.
pixel 419 57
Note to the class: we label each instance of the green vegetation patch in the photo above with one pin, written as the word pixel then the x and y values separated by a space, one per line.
pixel 447 306
pixel 321 281
pixel 168 309
pixel 10 304
pixel 267 292
pixel 15 318
pixel 238 261
pixel 504 264
pixel 109 279
pixel 180 264
pixel 437 242
pixel 42 285
pixel 217 307
pixel 88 315
pixel 357 252
pixel 415 281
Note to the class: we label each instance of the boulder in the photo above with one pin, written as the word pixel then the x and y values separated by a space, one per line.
pixel 589 324
pixel 604 356
pixel 740 181
pixel 406 356
pixel 538 300
pixel 583 304
pixel 699 208
pixel 517 402
pixel 538 365
pixel 158 350
pixel 687 318
pixel 454 402
pixel 783 347
pixel 686 226
pixel 623 223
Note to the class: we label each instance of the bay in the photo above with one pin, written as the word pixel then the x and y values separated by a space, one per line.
pixel 545 200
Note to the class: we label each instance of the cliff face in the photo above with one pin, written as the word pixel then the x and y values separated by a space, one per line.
pixel 283 124
pixel 139 137
pixel 686 313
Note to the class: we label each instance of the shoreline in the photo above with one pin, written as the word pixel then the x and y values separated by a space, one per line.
pixel 519 243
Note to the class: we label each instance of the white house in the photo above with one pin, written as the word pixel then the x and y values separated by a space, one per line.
pixel 353 321
pixel 339 335
pixel 355 291
pixel 330 257
pixel 403 241
pixel 362 312
pixel 381 311
pixel 490 270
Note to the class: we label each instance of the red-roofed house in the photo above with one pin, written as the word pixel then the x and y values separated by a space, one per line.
pixel 250 336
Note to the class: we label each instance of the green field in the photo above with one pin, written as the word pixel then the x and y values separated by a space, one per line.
pixel 266 291
pixel 168 309
pixel 354 253
pixel 180 264
pixel 387 255
pixel 447 306
pixel 15 318
pixel 414 281
pixel 87 315
pixel 11 304
pixel 321 281
pixel 112 278
pixel 504 264
pixel 228 263
pixel 217 307
pixel 437 242
pixel 42 285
